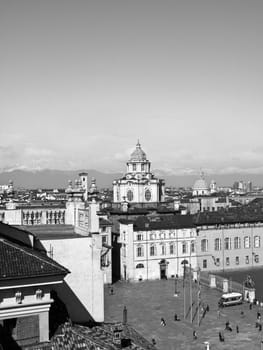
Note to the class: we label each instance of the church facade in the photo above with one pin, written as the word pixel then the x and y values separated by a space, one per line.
pixel 138 185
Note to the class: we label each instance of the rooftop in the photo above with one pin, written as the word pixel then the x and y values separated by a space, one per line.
pixel 52 231
pixel 21 262
pixel 161 222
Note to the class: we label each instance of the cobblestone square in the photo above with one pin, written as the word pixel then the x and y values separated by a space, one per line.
pixel 147 302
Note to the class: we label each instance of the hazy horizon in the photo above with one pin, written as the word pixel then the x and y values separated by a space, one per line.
pixel 82 81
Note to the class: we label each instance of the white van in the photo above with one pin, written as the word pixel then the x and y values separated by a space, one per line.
pixel 229 299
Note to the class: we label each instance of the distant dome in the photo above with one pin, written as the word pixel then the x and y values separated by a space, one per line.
pixel 138 154
pixel 200 184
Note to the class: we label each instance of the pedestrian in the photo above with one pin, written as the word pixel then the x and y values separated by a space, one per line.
pixel 221 337
pixel 218 313
pixel 163 323
pixel 111 291
pixel 228 328
pixel 258 315
pixel 237 328
pixel 194 335
pixel 153 342
pixel 176 317
pixel 207 308
pixel 242 314
pixel 250 306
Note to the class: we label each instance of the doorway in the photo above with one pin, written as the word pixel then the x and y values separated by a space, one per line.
pixel 163 269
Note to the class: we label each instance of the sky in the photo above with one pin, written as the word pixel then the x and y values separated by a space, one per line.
pixel 81 81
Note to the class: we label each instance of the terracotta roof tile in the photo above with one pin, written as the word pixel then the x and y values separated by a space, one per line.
pixel 21 262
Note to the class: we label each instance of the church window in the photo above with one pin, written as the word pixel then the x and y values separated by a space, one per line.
pixel 148 195
pixel 129 195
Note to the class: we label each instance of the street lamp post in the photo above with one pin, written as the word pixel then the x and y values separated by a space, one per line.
pixel 124 316
pixel 198 296
pixel 176 286
pixel 184 262
pixel 191 296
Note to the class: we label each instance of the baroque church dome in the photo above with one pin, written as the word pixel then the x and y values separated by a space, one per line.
pixel 138 154
pixel 200 184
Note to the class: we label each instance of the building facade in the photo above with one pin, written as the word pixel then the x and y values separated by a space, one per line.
pixel 224 243
pixel 27 277
pixel 156 249
pixel 138 185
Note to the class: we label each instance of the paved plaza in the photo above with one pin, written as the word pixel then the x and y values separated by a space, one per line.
pixel 148 302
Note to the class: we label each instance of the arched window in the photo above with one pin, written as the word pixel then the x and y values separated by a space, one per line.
pixel 227 243
pixel 129 195
pixel 256 242
pixel 237 243
pixel 139 266
pixel 204 245
pixel 217 244
pixel 148 195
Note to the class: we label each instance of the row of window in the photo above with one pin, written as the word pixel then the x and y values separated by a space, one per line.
pixel 147 195
pixel 163 235
pixel 135 167
pixel 227 226
pixel 163 249
pixel 227 260
pixel 228 243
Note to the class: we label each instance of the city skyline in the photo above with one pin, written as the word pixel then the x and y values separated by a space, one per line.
pixel 82 81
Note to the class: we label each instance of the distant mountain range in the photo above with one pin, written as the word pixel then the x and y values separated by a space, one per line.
pixel 59 178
